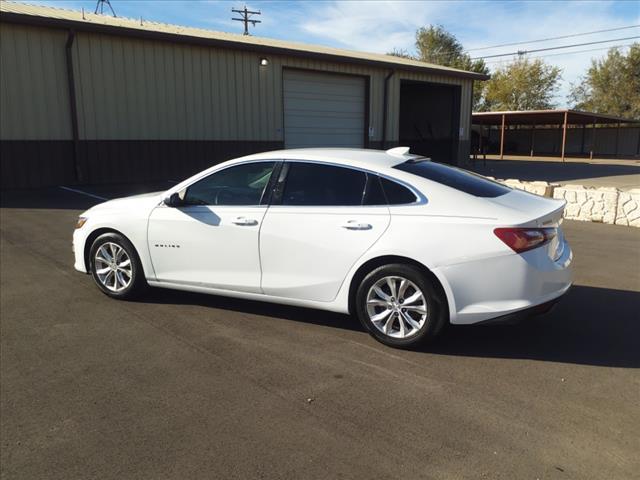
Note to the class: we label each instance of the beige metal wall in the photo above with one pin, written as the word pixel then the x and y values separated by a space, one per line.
pixel 34 103
pixel 131 89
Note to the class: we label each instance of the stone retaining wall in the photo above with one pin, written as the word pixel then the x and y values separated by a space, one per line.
pixel 628 209
pixel 590 204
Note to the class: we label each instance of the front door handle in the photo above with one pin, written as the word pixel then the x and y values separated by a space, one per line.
pixel 356 225
pixel 244 221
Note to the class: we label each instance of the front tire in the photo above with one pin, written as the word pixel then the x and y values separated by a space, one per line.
pixel 115 267
pixel 399 306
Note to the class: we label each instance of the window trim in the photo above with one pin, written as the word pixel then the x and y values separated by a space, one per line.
pixel 270 188
pixel 419 198
pixel 279 187
pixel 265 196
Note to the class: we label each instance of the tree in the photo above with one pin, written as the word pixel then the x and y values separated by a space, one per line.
pixel 611 85
pixel 522 85
pixel 401 52
pixel 435 45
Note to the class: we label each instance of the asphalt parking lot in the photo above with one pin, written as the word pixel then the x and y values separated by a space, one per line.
pixel 185 386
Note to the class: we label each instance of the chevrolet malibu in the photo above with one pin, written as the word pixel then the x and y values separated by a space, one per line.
pixel 405 244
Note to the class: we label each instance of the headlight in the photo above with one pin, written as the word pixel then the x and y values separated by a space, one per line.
pixel 81 222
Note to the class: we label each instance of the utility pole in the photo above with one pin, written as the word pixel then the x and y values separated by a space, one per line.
pixel 100 6
pixel 246 18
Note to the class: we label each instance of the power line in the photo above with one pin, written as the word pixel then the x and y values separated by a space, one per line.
pixel 553 38
pixel 450 54
pixel 524 52
pixel 566 53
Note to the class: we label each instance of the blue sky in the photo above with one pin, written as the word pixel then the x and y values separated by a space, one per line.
pixel 380 26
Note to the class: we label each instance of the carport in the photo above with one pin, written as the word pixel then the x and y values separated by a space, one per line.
pixel 566 123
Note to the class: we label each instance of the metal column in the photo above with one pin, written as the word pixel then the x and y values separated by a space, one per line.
pixel 502 139
pixel 564 133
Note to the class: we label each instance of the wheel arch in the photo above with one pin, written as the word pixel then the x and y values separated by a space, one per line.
pixel 376 262
pixel 95 234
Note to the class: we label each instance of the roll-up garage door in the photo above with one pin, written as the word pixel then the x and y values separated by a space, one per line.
pixel 323 110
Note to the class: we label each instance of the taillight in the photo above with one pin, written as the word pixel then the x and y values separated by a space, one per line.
pixel 523 239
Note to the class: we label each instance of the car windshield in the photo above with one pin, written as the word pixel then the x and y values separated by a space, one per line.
pixel 457 178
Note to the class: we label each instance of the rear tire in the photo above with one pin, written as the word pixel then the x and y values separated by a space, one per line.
pixel 115 267
pixel 399 306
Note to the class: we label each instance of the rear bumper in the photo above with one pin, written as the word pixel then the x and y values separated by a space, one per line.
pixel 506 285
pixel 527 313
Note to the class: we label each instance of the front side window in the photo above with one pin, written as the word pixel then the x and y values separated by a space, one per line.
pixel 313 184
pixel 238 185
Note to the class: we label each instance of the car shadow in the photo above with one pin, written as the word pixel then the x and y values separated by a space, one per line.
pixel 590 326
pixel 274 310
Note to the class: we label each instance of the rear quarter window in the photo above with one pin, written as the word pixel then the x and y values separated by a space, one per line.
pixel 381 191
pixel 457 178
pixel 397 194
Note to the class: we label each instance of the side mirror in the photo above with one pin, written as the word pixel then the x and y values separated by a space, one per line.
pixel 174 200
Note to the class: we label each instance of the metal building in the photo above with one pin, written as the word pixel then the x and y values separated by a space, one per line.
pixel 94 99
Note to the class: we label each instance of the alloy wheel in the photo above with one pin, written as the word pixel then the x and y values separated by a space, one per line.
pixel 113 267
pixel 396 307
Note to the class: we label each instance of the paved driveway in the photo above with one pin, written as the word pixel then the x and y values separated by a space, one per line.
pixel 624 175
pixel 190 386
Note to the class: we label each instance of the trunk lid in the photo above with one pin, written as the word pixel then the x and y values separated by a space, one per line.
pixel 524 209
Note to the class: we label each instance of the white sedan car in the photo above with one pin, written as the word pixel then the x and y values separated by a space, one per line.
pixel 406 244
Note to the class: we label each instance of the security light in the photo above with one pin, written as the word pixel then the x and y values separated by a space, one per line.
pixel 264 62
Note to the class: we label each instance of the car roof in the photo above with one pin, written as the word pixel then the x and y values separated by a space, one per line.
pixel 351 157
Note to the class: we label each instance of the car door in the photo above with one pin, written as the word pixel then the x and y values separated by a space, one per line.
pixel 211 237
pixel 316 229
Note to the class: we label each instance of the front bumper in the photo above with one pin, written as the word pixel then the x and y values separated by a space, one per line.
pixel 79 240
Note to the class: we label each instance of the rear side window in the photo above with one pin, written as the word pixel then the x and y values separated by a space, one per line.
pixel 381 191
pixel 397 194
pixel 313 184
pixel 455 178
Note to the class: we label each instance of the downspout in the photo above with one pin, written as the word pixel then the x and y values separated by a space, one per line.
pixel 73 108
pixel 385 108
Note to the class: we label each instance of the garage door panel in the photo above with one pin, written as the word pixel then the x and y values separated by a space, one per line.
pixel 319 106
pixel 323 110
pixel 333 140
pixel 318 123
pixel 309 88
pixel 312 81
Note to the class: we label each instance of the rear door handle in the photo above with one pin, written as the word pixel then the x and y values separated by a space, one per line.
pixel 243 221
pixel 356 225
